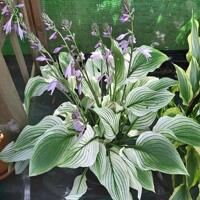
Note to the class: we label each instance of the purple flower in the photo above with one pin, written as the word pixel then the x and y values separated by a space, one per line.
pixel 80 88
pixel 42 58
pixel 124 45
pixel 21 5
pixel 122 36
pixel 125 18
pixel 107 30
pixel 76 114
pixel 5 10
pixel 96 55
pixel 57 49
pixel 145 51
pixel 52 86
pixel 99 78
pixel 131 39
pixel 95 30
pixel 53 36
pixel 81 57
pixel 7 26
pixel 67 38
pixel 19 31
pixel 99 44
pixel 110 58
pixel 108 79
pixel 78 125
pixel 68 71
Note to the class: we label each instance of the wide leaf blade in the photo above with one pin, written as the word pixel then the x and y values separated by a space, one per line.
pixel 185 129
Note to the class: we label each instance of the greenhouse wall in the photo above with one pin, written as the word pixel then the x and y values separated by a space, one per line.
pixel 157 22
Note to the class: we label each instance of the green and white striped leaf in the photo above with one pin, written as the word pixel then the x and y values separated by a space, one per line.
pixel 79 188
pixel 64 59
pixel 155 152
pixel 36 86
pixel 83 153
pixel 20 166
pixel 8 154
pixel 99 166
pixel 120 71
pixel 185 129
pixel 143 122
pixel 181 193
pixel 192 159
pixel 92 67
pixel 193 41
pixel 30 134
pixel 110 121
pixel 140 66
pixel 49 149
pixel 95 85
pixel 145 178
pixel 185 86
pixel 161 84
pixel 47 72
pixel 193 74
pixel 143 100
pixel 66 108
pixel 116 177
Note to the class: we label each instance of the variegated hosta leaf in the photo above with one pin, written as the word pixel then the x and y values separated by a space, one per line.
pixel 193 75
pixel 145 178
pixel 99 166
pixel 192 159
pixel 140 66
pixel 92 67
pixel 83 153
pixel 30 134
pixel 110 121
pixel 143 100
pixel 116 177
pixel 64 59
pixel 155 152
pixel 143 122
pixel 120 71
pixel 35 87
pixel 66 108
pixel 79 188
pixel 185 129
pixel 47 71
pixel 8 154
pixel 181 192
pixel 95 85
pixel 185 86
pixel 161 84
pixel 20 166
pixel 193 41
pixel 49 149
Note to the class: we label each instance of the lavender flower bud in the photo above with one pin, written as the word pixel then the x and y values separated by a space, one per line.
pixel 66 25
pixel 95 30
pixel 126 6
pixel 107 30
pixel 48 22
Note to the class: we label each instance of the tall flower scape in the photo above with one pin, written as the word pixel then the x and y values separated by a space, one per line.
pixel 110 122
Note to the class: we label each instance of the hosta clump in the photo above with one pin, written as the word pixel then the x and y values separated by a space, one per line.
pixel 105 125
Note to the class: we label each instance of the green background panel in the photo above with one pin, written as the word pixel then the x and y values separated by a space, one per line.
pixel 157 22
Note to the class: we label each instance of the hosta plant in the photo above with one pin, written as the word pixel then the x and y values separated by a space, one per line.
pixel 109 123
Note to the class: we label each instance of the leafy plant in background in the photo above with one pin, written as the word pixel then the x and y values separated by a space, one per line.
pixel 188 85
pixel 109 123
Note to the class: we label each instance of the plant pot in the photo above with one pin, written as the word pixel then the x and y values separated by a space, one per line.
pixel 4 166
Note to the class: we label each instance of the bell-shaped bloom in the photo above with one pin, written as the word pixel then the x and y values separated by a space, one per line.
pixel 52 86
pixel 7 27
pixel 125 18
pixel 53 36
pixel 122 36
pixel 96 55
pixel 145 51
pixel 57 49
